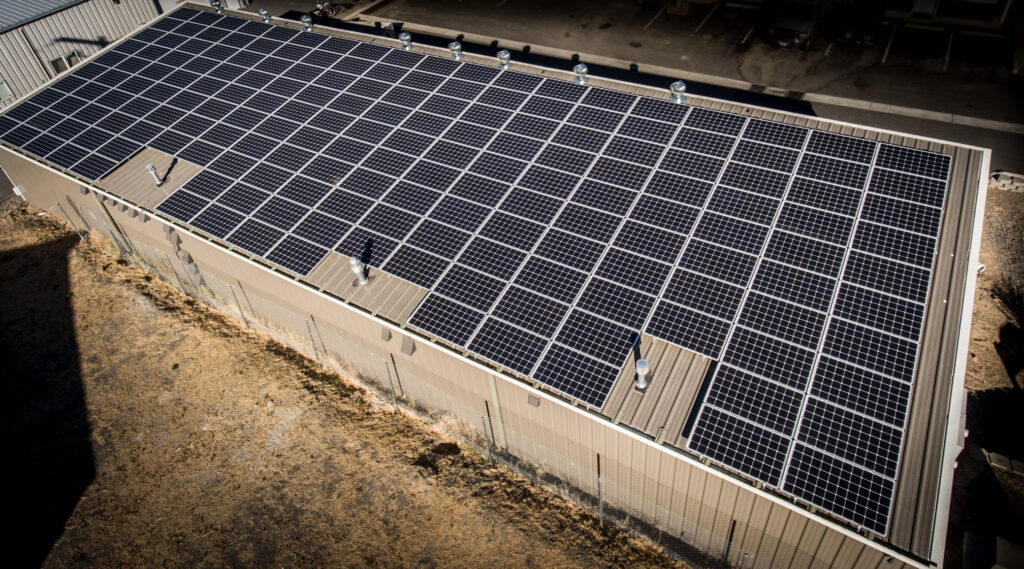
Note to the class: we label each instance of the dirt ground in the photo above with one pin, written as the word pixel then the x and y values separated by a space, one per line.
pixel 143 429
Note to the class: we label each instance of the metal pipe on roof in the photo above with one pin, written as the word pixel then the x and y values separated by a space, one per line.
pixel 642 369
pixel 456 49
pixel 678 90
pixel 581 73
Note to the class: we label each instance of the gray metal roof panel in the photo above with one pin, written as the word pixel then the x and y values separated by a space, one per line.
pixel 15 13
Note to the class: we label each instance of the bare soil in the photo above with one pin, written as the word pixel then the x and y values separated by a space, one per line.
pixel 144 429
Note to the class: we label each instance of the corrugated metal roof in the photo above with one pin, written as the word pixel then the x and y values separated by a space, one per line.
pixel 14 13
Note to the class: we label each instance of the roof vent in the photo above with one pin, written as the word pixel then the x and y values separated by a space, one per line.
pixel 678 90
pixel 456 49
pixel 504 59
pixel 307 22
pixel 157 181
pixel 217 6
pixel 265 15
pixel 581 74
pixel 359 269
pixel 642 369
pixel 406 40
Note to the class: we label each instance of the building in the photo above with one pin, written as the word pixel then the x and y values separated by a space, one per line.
pixel 40 40
pixel 801 289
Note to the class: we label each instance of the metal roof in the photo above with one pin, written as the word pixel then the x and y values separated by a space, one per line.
pixel 15 13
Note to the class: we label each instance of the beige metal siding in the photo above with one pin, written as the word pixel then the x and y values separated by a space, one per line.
pixel 85 28
pixel 18 66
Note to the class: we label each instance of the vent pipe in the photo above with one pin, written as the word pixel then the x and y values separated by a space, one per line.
pixel 504 59
pixel 359 269
pixel 581 74
pixel 157 181
pixel 406 40
pixel 456 49
pixel 678 90
pixel 642 369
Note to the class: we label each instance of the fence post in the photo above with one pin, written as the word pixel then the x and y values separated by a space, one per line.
pixel 490 423
pixel 312 341
pixel 483 423
pixel 394 399
pixel 239 305
pixel 65 214
pixel 728 543
pixel 173 270
pixel 74 208
pixel 600 498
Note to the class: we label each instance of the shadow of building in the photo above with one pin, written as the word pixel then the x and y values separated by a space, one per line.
pixel 44 430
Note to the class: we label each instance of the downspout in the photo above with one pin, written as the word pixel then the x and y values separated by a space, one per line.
pixel 46 69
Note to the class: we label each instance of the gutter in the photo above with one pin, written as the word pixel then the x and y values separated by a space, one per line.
pixel 958 395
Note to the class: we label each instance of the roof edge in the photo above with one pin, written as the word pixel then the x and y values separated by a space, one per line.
pixel 41 15
pixel 957 396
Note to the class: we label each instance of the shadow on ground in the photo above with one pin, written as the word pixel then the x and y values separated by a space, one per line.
pixel 47 455
pixel 1010 346
pixel 991 501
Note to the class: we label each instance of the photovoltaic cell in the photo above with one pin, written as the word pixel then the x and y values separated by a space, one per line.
pixel 782 320
pixel 471 288
pixel 616 302
pixel 757 400
pixel 297 255
pixel 530 311
pixel 911 161
pixel 416 266
pixel 604 340
pixel 692 330
pixel 445 319
pixel 770 358
pixel 853 388
pixel 703 293
pixel 864 441
pixel 507 345
pixel 862 495
pixel 576 375
pixel 739 444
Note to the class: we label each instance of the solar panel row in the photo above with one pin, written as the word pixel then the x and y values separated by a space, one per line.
pixel 818 368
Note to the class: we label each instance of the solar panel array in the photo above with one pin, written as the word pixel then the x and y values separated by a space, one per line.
pixel 813 386
pixel 551 223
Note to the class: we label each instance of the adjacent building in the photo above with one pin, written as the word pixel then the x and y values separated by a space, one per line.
pixel 41 39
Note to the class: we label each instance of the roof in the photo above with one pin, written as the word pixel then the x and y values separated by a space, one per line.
pixel 18 13
pixel 554 229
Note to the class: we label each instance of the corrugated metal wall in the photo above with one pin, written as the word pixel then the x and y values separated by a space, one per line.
pixel 86 28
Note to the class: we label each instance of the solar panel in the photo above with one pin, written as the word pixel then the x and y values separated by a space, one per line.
pixel 552 224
